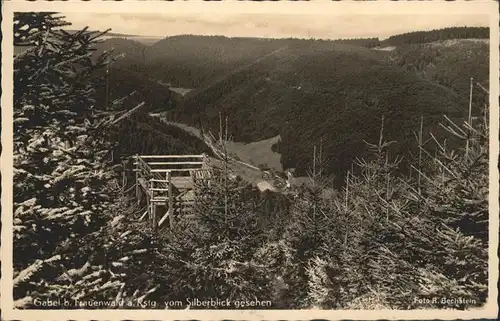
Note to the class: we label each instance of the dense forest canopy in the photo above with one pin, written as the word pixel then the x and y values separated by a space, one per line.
pixel 421 37
pixel 446 65
pixel 363 42
pixel 333 95
pixel 416 37
pixel 145 135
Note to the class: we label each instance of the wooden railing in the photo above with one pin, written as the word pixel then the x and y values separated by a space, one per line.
pixel 172 163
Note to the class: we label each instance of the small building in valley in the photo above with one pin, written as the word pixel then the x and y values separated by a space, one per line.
pixel 264 185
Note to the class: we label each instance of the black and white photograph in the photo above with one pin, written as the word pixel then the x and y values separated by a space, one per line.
pixel 160 156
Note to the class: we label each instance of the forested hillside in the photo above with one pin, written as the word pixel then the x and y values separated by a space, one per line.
pixel 421 37
pixel 145 135
pixel 133 52
pixel 192 61
pixel 331 95
pixel 188 61
pixel 136 86
pixel 363 42
pixel 446 63
pixel 418 37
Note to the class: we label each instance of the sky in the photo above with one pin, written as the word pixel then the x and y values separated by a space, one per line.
pixel 321 26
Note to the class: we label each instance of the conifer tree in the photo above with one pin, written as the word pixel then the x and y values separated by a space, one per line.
pixel 211 253
pixel 394 239
pixel 61 170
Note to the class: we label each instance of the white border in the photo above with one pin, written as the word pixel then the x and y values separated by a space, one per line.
pixel 489 8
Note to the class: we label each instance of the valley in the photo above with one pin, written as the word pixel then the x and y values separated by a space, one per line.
pixel 307 91
pixel 244 159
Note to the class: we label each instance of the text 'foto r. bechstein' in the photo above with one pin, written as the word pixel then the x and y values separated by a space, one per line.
pixel 271 166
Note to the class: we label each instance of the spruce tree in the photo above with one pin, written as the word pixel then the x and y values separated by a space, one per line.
pixel 394 239
pixel 62 196
pixel 210 254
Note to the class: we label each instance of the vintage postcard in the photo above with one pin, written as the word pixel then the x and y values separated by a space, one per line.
pixel 249 160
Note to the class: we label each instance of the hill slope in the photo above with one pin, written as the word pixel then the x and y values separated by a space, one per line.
pixel 449 63
pixel 336 94
pixel 192 61
pixel 417 37
pixel 145 135
pixel 307 91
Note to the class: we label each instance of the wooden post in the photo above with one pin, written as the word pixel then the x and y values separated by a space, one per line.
pixel 170 200
pixel 148 205
pixel 154 221
pixel 153 207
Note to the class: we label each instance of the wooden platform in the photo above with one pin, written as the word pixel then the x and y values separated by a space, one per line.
pixel 168 184
pixel 183 182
